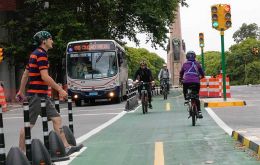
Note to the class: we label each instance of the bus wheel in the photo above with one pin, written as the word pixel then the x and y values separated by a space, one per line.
pixel 78 103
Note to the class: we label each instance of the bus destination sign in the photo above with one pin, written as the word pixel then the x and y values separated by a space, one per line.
pixel 91 46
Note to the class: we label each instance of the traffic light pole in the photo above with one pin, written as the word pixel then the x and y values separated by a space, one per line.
pixel 223 62
pixel 202 59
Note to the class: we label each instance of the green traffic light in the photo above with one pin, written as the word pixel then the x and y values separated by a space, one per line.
pixel 215 24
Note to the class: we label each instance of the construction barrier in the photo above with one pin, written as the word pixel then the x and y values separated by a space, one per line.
pixel 3 99
pixel 213 87
pixel 228 93
pixel 203 87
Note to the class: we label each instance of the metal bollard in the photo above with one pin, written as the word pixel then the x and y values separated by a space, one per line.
pixel 70 114
pixel 57 105
pixel 27 130
pixel 2 139
pixel 45 124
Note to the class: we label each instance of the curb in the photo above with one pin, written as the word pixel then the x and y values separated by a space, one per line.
pixel 224 104
pixel 247 142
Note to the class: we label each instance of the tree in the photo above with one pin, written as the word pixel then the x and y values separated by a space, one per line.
pixel 246 31
pixel 91 19
pixel 212 62
pixel 240 62
pixel 135 55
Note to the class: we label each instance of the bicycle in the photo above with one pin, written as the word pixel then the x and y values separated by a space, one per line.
pixel 144 96
pixel 192 105
pixel 165 88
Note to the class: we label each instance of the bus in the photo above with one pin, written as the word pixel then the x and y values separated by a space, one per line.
pixel 96 70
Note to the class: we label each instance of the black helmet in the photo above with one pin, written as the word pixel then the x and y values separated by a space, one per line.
pixel 40 36
pixel 191 55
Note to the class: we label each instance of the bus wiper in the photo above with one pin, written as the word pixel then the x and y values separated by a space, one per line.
pixel 99 57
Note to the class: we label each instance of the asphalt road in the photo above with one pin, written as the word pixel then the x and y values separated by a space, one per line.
pixel 242 117
pixel 85 119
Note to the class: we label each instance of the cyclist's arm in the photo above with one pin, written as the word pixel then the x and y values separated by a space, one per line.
pixel 159 75
pixel 201 72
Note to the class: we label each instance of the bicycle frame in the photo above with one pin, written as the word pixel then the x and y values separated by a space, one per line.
pixel 193 109
pixel 165 88
pixel 144 96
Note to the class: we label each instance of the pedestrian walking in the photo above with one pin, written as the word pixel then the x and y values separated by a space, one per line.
pixel 36 74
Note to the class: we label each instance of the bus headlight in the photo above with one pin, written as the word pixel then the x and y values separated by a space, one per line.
pixel 111 94
pixel 76 96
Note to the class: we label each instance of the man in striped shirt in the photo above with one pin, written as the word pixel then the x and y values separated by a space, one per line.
pixel 37 73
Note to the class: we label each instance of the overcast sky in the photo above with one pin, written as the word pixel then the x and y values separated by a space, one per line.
pixel 197 18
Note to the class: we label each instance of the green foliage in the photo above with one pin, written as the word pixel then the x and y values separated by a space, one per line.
pixel 212 61
pixel 246 31
pixel 136 55
pixel 92 19
pixel 241 60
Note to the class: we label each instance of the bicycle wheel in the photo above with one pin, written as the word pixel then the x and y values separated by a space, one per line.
pixel 146 104
pixel 165 94
pixel 143 103
pixel 193 114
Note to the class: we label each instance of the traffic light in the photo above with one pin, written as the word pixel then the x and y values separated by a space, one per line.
pixel 227 16
pixel 221 17
pixel 1 54
pixel 214 16
pixel 201 39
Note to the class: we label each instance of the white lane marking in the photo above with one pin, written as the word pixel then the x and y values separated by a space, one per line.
pixel 223 125
pixel 99 109
pixel 93 132
pixel 74 115
pixel 99 128
pixel 72 156
pixel 135 109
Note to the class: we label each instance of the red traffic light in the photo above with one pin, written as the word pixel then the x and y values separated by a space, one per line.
pixel 227 8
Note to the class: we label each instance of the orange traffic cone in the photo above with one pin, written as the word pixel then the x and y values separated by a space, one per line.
pixel 2 99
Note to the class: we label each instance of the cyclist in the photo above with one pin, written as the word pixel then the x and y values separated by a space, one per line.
pixel 144 74
pixel 164 76
pixel 190 75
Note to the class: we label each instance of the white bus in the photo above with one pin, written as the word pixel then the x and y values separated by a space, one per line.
pixel 96 70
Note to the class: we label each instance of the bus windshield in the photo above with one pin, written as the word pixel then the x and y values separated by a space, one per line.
pixel 92 65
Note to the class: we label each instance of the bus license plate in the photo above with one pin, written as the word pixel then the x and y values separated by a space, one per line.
pixel 93 93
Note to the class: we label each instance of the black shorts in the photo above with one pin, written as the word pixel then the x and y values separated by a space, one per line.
pixel 35 108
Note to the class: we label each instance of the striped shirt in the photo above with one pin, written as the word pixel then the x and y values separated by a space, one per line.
pixel 38 61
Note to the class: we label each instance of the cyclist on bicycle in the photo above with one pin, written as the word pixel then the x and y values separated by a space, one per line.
pixel 164 76
pixel 144 74
pixel 190 75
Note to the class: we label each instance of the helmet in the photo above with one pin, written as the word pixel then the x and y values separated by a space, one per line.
pixel 191 55
pixel 142 62
pixel 40 36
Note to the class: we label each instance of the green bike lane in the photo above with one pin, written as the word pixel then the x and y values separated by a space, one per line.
pixel 163 136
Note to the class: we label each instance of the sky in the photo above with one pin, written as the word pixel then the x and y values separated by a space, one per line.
pixel 197 18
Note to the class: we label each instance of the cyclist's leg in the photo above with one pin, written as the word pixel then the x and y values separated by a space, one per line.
pixel 149 97
pixel 185 90
pixel 139 92
pixel 168 85
pixel 197 90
